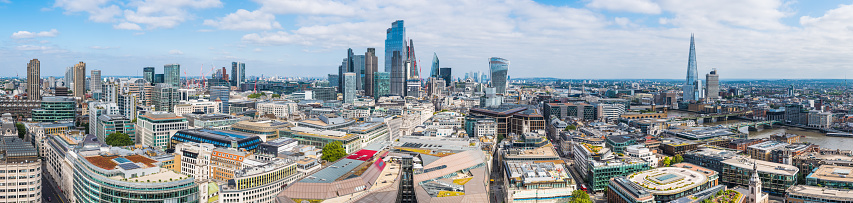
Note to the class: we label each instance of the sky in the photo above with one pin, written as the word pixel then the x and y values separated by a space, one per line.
pixel 588 39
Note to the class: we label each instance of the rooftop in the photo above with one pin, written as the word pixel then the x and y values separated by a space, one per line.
pixel 833 173
pixel 672 180
pixel 219 134
pixel 768 145
pixel 841 195
pixel 763 166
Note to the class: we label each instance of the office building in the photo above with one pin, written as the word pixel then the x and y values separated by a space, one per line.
pixel 805 193
pixel 238 73
pixel 69 77
pixel 96 109
pixel 22 171
pixel 358 62
pixel 280 109
pixel 159 78
pixel 109 124
pixel 267 129
pixel 127 105
pixel 535 181
pixel 148 74
pixel 668 183
pixel 349 92
pixel 445 73
pixel 34 80
pixel 371 65
pixel 579 110
pixel 434 71
pixel 79 89
pixel 597 165
pixel 325 93
pixel 712 85
pixel 692 86
pixel 333 80
pixel 395 40
pixel 622 190
pixel 165 97
pixel 197 106
pixel 738 170
pixel 219 138
pixel 382 84
pixel 130 177
pixel 172 75
pixel 831 176
pixel 95 84
pixel 398 74
pixel 55 109
pixel 216 121
pixel 499 67
pixel 155 128
pixel 221 93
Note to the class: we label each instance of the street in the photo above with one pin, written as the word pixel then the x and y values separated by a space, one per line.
pixel 497 187
pixel 49 189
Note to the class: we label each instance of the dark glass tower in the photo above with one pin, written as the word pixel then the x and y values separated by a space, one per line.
pixel 238 73
pixel 148 74
pixel 172 75
pixel 444 73
pixel 395 40
pixel 434 71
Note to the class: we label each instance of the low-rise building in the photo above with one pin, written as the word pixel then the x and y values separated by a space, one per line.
pixel 156 128
pixel 775 176
pixel 805 193
pixel 109 124
pixel 217 121
pixel 831 176
pixel 538 181
pixel 271 129
pixel 219 138
pixel 598 164
pixel 667 183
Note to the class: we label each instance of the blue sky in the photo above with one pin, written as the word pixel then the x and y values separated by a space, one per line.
pixel 595 39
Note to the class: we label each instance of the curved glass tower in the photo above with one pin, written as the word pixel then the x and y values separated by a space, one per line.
pixel 498 67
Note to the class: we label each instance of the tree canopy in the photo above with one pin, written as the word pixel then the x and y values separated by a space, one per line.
pixel 118 139
pixel 333 151
pixel 677 159
pixel 579 196
pixel 571 127
pixel 666 162
pixel 22 130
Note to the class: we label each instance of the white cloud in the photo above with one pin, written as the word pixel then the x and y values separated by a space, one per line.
pixel 624 22
pixel 5 1
pixel 313 7
pixel 751 14
pixel 28 34
pixel 633 6
pixel 98 10
pixel 127 26
pixel 245 20
pixel 176 52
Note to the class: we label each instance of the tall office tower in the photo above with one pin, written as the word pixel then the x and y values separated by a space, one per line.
pixel 221 93
pixel 444 73
pixel 712 85
pixel 333 80
pixel 148 74
pixel 34 80
pixel 411 62
pixel 110 92
pixel 349 87
pixel 398 75
pixel 165 97
pixel 433 73
pixel 395 40
pixel 358 69
pixel 238 73
pixel 341 70
pixel 498 67
pixel 370 67
pixel 51 81
pixel 158 78
pixel 692 88
pixel 172 75
pixel 95 84
pixel 127 105
pixel 79 89
pixel 381 84
pixel 69 77
pixel 224 74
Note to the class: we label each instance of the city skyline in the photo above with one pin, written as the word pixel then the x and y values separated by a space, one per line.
pixel 597 39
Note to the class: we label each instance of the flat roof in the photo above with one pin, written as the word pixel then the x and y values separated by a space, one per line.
pixel 820 192
pixel 763 166
pixel 218 134
pixel 333 172
pixel 833 173
pixel 658 181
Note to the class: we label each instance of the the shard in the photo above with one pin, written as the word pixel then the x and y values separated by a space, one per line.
pixel 692 86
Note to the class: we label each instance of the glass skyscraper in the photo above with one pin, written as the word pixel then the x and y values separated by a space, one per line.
pixel 223 94
pixel 499 67
pixel 148 74
pixel 370 68
pixel 692 86
pixel 395 40
pixel 445 73
pixel 349 87
pixel 381 84
pixel 172 75
pixel 434 71
pixel 238 73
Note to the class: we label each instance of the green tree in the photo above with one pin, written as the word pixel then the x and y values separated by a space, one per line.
pixel 22 130
pixel 254 96
pixel 666 162
pixel 276 96
pixel 333 151
pixel 579 196
pixel 677 159
pixel 118 139
pixel 571 127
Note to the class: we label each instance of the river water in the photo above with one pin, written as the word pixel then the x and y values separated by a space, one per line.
pixel 811 136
